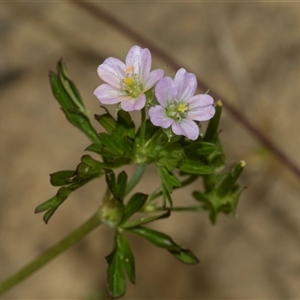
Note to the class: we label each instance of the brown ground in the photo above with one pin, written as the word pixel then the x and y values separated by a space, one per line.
pixel 249 52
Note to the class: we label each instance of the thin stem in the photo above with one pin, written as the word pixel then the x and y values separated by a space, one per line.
pixel 136 177
pixel 143 125
pixel 51 253
pixel 187 208
pixel 184 208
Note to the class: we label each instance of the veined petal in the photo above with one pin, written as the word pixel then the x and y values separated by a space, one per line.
pixel 130 104
pixel 201 113
pixel 138 61
pixel 158 117
pixel 153 78
pixel 201 108
pixel 112 71
pixel 165 91
pixel 187 128
pixel 146 62
pixel 202 100
pixel 186 84
pixel 107 94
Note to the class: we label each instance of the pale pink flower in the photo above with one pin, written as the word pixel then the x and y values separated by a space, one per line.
pixel 179 107
pixel 127 83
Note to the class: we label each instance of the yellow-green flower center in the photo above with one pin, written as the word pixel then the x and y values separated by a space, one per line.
pixel 177 110
pixel 182 107
pixel 132 86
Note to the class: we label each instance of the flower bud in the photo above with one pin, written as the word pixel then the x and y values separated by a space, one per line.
pixel 111 212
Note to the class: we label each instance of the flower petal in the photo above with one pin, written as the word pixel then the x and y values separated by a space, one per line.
pixel 187 128
pixel 145 64
pixel 107 94
pixel 130 104
pixel 165 91
pixel 201 108
pixel 186 84
pixel 138 61
pixel 158 117
pixel 202 114
pixel 201 100
pixel 153 78
pixel 112 71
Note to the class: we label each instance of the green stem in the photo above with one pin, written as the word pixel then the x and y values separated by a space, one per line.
pixel 136 177
pixel 143 125
pixel 181 208
pixel 51 253
pixel 187 208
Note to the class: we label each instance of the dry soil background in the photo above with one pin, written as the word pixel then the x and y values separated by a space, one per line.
pixel 249 52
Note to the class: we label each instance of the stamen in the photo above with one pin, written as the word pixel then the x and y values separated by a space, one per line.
pixel 177 110
pixel 182 107
pixel 129 69
pixel 131 85
pixel 128 80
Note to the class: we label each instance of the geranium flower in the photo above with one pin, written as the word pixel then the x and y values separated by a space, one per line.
pixel 179 108
pixel 127 83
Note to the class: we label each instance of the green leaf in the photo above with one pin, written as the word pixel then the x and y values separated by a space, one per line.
pixel 96 147
pixel 68 97
pixel 211 134
pixel 162 240
pixel 86 171
pixel 116 145
pixel 206 148
pixel 125 125
pixel 195 167
pixel 53 203
pixel 67 83
pixel 116 187
pixel 234 198
pixel 59 178
pixel 126 257
pixel 170 155
pixel 121 184
pixel 166 196
pixel 107 121
pixel 229 181
pixel 223 193
pixel 133 205
pixel 186 256
pixel 198 148
pixel 146 220
pixel 116 280
pixel 120 260
pixel 157 238
pixel 168 179
pixel 217 158
pixel 111 181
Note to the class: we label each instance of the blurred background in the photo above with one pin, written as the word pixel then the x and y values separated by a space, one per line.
pixel 247 52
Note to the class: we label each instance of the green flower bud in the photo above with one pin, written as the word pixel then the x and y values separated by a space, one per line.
pixel 111 212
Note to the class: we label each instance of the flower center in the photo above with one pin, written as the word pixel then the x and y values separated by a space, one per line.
pixel 132 86
pixel 177 110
